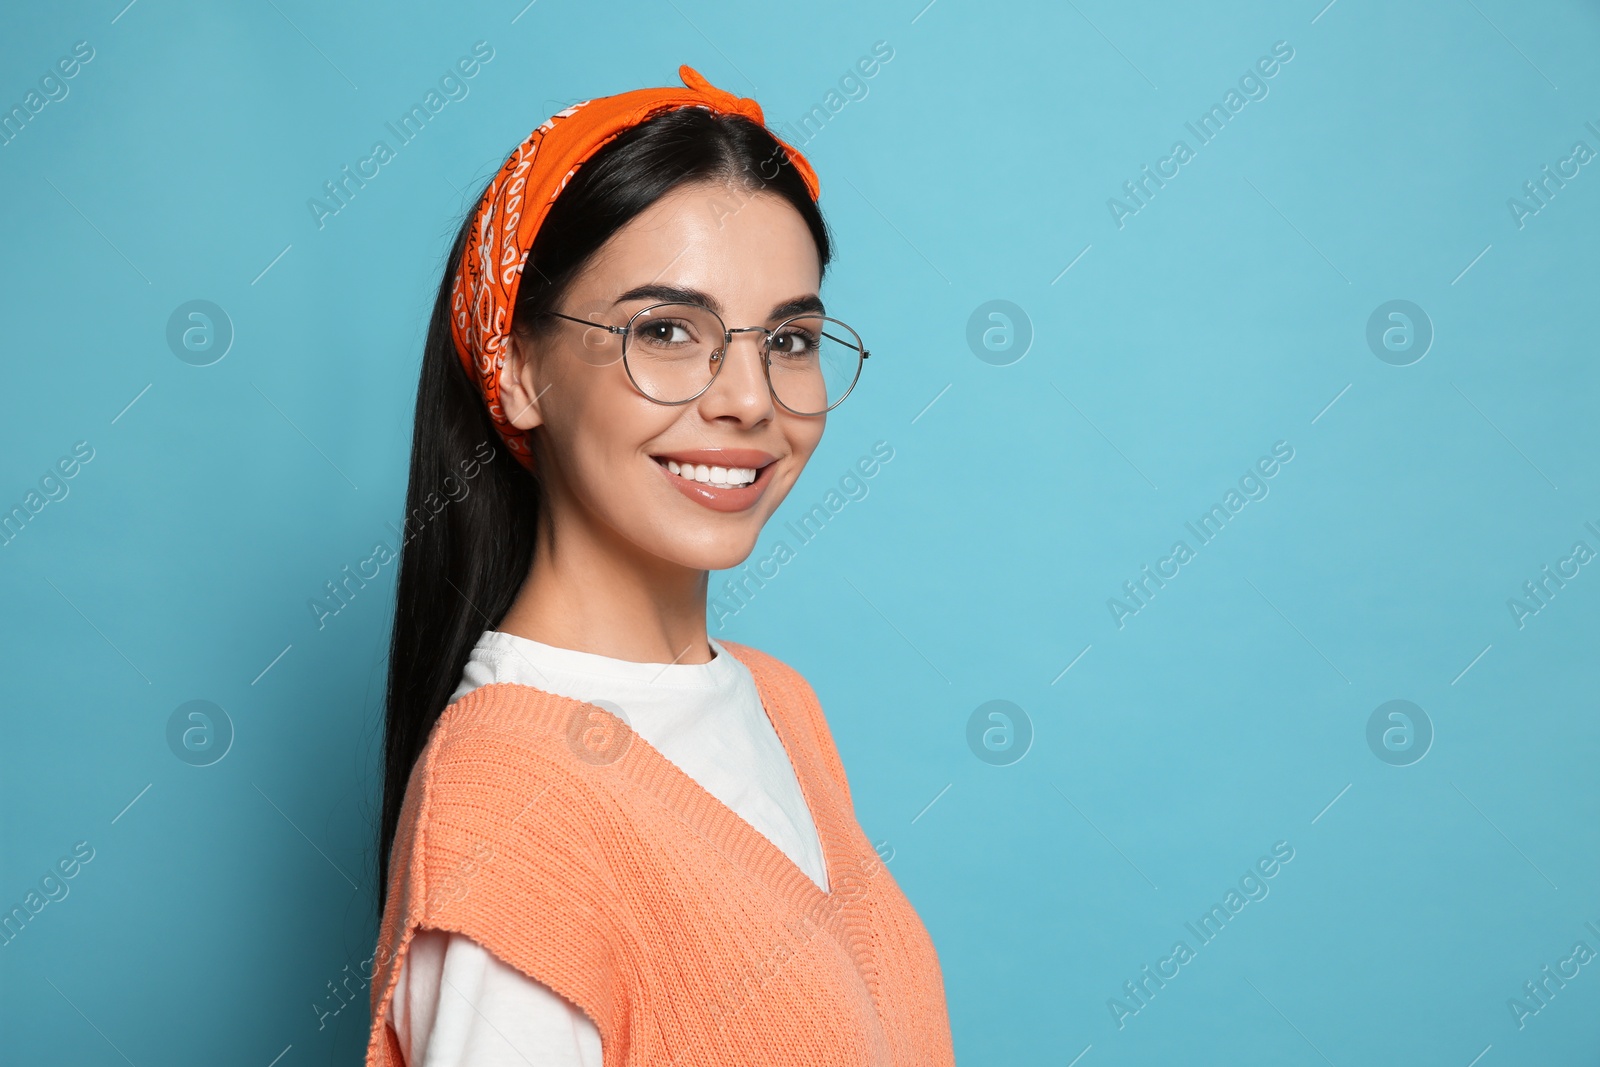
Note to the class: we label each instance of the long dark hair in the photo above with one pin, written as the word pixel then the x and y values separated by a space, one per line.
pixel 466 550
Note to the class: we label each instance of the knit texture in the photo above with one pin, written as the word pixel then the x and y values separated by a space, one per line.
pixel 546 830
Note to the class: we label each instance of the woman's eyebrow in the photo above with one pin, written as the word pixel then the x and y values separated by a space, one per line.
pixel 689 295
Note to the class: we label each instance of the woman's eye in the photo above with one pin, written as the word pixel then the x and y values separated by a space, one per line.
pixel 794 342
pixel 668 333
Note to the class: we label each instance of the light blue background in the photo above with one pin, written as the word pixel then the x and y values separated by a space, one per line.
pixel 1229 313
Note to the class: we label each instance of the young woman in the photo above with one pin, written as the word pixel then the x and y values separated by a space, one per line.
pixel 608 838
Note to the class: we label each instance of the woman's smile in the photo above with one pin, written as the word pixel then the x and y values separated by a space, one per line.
pixel 722 479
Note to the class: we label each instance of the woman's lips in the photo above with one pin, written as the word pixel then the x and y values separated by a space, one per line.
pixel 718 498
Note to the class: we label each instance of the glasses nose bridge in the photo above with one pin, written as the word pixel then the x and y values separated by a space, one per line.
pixel 761 341
pixel 721 354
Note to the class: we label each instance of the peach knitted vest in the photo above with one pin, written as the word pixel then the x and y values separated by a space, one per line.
pixel 550 833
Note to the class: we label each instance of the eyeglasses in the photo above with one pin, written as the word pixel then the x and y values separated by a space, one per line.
pixel 673 352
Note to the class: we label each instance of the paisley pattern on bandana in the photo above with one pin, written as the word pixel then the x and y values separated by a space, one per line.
pixel 517 201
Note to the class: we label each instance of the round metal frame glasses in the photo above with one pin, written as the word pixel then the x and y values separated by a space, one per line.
pixel 717 354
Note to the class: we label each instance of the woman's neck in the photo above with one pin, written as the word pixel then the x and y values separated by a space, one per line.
pixel 608 598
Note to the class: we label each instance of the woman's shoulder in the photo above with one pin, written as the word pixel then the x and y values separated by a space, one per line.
pixel 774 669
pixel 773 673
pixel 499 747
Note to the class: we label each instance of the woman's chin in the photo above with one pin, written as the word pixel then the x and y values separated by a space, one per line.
pixel 720 553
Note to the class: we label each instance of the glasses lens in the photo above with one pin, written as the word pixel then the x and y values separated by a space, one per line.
pixel 669 350
pixel 815 362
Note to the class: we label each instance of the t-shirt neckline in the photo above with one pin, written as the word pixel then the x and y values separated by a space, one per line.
pixel 717 672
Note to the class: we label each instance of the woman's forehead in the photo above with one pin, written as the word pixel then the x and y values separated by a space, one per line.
pixel 750 259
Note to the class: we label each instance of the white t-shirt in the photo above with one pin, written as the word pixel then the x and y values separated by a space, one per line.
pixel 456 1002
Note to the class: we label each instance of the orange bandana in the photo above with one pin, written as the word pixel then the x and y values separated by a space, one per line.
pixel 519 197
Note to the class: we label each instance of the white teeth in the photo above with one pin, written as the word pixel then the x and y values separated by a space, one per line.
pixel 721 477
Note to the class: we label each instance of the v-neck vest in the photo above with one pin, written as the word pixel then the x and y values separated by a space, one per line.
pixel 546 830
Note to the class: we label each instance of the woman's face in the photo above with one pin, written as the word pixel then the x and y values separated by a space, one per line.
pixel 602 446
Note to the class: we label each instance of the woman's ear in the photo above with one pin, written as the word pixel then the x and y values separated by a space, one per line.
pixel 519 386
